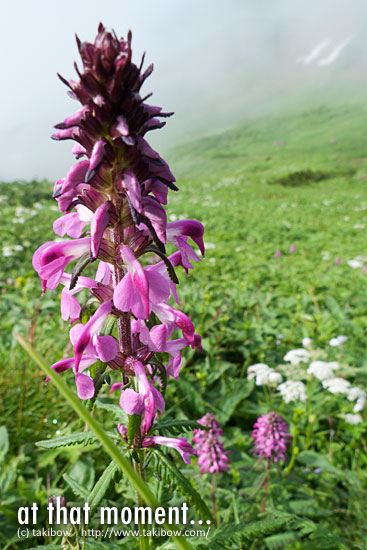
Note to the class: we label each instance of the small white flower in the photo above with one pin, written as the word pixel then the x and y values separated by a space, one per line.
pixel 7 251
pixel 209 246
pixel 325 255
pixel 296 356
pixel 275 377
pixel 352 418
pixel 306 342
pixel 360 404
pixel 336 385
pixel 355 264
pixel 291 390
pixel 258 371
pixel 212 260
pixel 338 341
pixel 322 369
pixel 263 374
pixel 355 392
pixel 359 226
pixel 172 217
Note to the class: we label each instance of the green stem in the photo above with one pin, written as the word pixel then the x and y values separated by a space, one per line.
pixel 143 539
pixel 103 438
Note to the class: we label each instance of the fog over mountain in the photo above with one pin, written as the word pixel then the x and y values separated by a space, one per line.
pixel 216 64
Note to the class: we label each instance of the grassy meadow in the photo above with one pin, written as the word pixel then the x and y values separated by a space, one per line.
pixel 297 180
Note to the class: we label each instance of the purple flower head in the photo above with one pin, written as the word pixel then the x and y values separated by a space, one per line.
pixel 212 456
pixel 337 261
pixel 292 248
pixel 271 437
pixel 277 254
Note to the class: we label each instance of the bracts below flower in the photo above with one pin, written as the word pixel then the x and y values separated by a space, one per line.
pixel 112 203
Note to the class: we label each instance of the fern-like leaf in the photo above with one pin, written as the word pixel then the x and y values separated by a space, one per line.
pixel 189 491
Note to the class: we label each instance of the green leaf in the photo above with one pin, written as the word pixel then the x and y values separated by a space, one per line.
pixel 316 460
pixel 100 488
pixel 186 487
pixel 113 451
pixel 66 440
pixel 177 427
pixel 77 489
pixel 4 442
pixel 134 425
pixel 226 405
pixel 116 410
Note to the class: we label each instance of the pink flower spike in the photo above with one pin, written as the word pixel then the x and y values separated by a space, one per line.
pixel 271 437
pixel 277 254
pixel 337 261
pixel 292 248
pixel 98 225
pixel 212 456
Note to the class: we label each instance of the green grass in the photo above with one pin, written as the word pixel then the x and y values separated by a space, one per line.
pixel 298 179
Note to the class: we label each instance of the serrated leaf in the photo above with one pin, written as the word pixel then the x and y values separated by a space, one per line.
pixel 77 489
pixel 186 487
pixel 72 439
pixel 178 426
pixel 101 487
pixel 133 426
pixel 116 410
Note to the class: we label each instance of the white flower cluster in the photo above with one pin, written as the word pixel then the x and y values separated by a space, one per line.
pixel 292 390
pixel 296 356
pixel 322 369
pixel 9 250
pixel 353 419
pixel 263 374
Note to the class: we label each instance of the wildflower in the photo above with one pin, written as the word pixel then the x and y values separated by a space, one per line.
pixel 293 390
pixel 271 437
pixel 112 203
pixel 337 261
pixel 352 419
pixel 336 385
pixel 292 248
pixel 338 341
pixel 306 342
pixel 355 264
pixel 296 356
pixel 212 456
pixel 277 254
pixel 263 374
pixel 322 369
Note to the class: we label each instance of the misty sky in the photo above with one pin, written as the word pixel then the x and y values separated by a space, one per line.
pixel 216 63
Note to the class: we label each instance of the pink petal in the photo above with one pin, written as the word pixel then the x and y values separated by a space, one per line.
pixel 85 386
